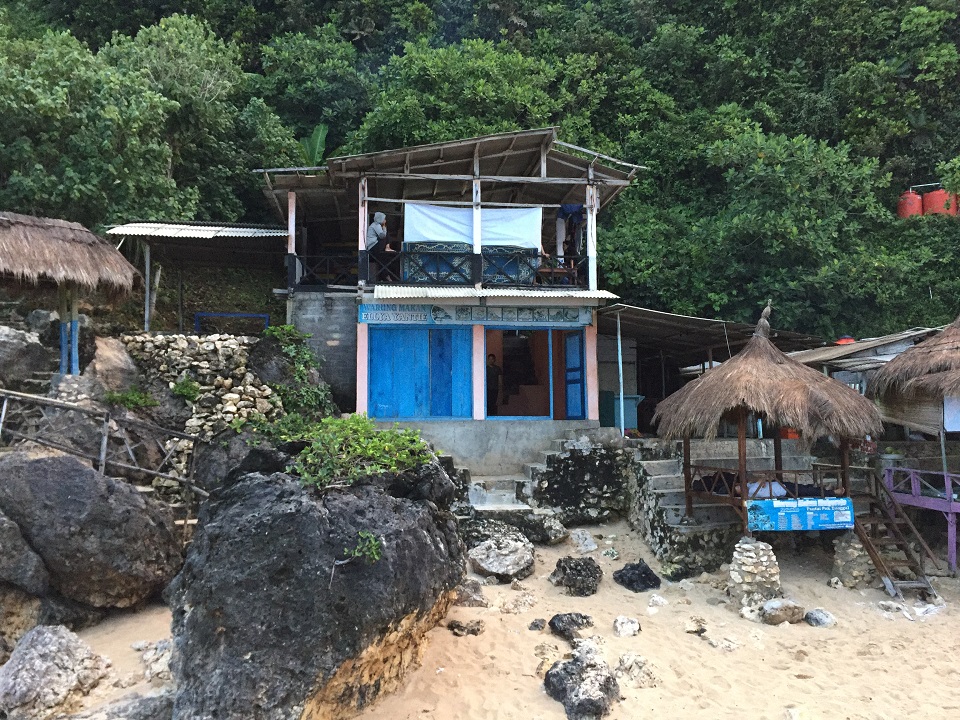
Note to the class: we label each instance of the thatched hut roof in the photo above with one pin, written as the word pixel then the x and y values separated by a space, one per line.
pixel 931 367
pixel 764 380
pixel 34 249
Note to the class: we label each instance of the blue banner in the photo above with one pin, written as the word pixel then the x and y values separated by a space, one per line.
pixel 802 514
pixel 513 316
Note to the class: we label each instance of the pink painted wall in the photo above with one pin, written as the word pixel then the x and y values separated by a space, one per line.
pixel 479 373
pixel 593 375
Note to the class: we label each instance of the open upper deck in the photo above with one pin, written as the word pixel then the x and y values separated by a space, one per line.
pixel 511 210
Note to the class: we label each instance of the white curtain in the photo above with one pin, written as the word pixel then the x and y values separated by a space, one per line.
pixel 517 227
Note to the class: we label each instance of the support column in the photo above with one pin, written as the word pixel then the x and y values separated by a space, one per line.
pixel 742 462
pixel 363 218
pixel 687 478
pixel 63 310
pixel 591 207
pixel 952 542
pixel 479 374
pixel 778 454
pixel 623 424
pixel 147 277
pixel 845 466
pixel 293 269
pixel 593 376
pixel 363 361
pixel 477 263
pixel 74 332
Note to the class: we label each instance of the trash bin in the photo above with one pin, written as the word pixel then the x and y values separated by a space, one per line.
pixel 630 403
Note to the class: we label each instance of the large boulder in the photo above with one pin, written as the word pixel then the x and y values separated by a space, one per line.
pixel 102 542
pixel 132 707
pixel 19 612
pixel 270 622
pixel 19 564
pixel 113 366
pixel 21 354
pixel 584 683
pixel 50 667
pixel 506 559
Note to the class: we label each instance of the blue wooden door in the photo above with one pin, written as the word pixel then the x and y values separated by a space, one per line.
pixel 419 372
pixel 574 374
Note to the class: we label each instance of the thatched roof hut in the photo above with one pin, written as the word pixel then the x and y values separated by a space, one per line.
pixel 34 250
pixel 931 367
pixel 761 379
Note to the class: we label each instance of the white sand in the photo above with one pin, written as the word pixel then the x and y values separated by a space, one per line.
pixel 871 665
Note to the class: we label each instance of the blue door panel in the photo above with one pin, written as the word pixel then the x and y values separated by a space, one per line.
pixel 462 391
pixel 574 374
pixel 441 373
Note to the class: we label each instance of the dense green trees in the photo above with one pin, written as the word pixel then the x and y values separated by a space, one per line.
pixel 778 136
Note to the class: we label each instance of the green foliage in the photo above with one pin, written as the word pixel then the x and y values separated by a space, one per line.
pixel 343 450
pixel 314 146
pixel 303 396
pixel 186 388
pixel 131 399
pixel 368 548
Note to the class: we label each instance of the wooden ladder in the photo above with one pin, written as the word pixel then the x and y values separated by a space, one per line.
pixel 885 526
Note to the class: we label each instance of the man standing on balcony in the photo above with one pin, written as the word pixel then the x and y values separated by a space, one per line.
pixel 494 384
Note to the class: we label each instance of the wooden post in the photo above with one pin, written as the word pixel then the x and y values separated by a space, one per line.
pixel 477 223
pixel 180 300
pixel 146 287
pixel 74 332
pixel 777 454
pixel 63 309
pixel 363 217
pixel 742 463
pixel 592 205
pixel 845 466
pixel 687 477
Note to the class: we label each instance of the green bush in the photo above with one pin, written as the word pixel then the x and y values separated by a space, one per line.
pixel 187 389
pixel 343 450
pixel 301 396
pixel 131 399
pixel 368 548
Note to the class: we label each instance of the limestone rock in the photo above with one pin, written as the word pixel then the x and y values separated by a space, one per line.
pixel 503 558
pixel 470 594
pixel 133 707
pixel 539 525
pixel 851 563
pixel 637 577
pixel 657 601
pixel 103 543
pixel 754 573
pixel 49 667
pixel 259 623
pixel 21 354
pixel 818 617
pixel 568 625
pixel 113 366
pixel 624 626
pixel 580 576
pixel 582 541
pixel 19 565
pixel 537 624
pixel 584 684
pixel 474 627
pixel 637 670
pixel 156 661
pixel 478 530
pixel 19 612
pixel 780 610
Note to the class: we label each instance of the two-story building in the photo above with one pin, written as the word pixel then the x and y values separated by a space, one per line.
pixel 479 305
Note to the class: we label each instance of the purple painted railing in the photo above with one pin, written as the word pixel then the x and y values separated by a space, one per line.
pixel 930 490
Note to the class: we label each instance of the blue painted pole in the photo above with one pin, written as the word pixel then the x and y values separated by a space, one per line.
pixel 74 334
pixel 64 346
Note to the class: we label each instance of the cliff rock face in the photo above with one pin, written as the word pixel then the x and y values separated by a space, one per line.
pixel 101 541
pixel 268 625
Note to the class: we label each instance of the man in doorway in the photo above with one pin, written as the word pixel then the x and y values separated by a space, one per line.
pixel 494 384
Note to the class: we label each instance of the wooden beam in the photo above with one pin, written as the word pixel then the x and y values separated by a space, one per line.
pixel 513 179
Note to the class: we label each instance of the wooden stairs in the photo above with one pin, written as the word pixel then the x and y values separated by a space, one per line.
pixel 885 530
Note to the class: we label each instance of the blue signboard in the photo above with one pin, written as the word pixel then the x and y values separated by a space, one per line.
pixel 525 316
pixel 801 514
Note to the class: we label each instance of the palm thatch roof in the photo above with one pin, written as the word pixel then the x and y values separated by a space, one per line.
pixel 34 249
pixel 931 367
pixel 763 380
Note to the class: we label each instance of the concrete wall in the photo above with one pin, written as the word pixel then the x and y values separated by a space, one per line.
pixel 495 447
pixel 607 360
pixel 331 320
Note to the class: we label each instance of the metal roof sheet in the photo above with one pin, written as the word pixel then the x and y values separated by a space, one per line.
pixel 194 230
pixel 397 292
pixel 831 353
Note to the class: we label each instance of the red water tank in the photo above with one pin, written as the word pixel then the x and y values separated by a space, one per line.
pixel 939 202
pixel 910 204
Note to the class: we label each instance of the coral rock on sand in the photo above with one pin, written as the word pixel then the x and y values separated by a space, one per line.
pixel 566 625
pixel 778 610
pixel 584 684
pixel 624 626
pixel 504 558
pixel 581 576
pixel 818 617
pixel 637 577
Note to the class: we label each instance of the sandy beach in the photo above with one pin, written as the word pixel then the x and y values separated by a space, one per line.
pixel 872 665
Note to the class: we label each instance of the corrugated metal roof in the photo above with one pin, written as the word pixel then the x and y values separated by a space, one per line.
pixel 200 231
pixel 397 292
pixel 827 355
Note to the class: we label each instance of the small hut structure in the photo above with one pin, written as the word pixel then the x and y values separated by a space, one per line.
pixel 43 250
pixel 920 389
pixel 785 394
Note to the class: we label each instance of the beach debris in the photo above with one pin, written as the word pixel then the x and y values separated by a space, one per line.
pixel 727 644
pixel 504 558
pixel 751 613
pixel 683 601
pixel 889 606
pixel 712 600
pixel 818 617
pixel 657 601
pixel 567 625
pixel 520 603
pixel 537 624
pixel 548 653
pixel 582 541
pixel 695 625
pixel 469 593
pixel 580 576
pixel 754 573
pixel 637 577
pixel 611 553
pixel 928 609
pixel 624 626
pixel 474 627
pixel 781 610
pixel 156 661
pixel 517 586
pixel 835 583
pixel 584 683
pixel 49 667
pixel 637 670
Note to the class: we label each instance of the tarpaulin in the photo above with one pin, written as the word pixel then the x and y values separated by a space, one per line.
pixel 516 227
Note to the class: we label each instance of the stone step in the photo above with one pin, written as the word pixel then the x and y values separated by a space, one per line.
pixel 670 496
pixel 665 482
pixel 790 462
pixel 661 467
pixel 703 527
pixel 534 470
pixel 502 508
pixel 704 512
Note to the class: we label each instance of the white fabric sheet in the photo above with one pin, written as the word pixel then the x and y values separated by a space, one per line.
pixel 951 414
pixel 517 227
